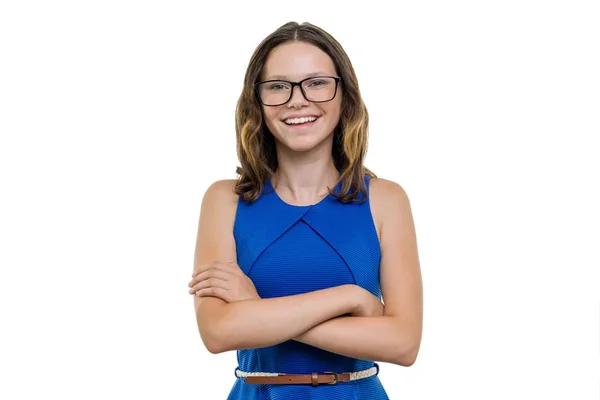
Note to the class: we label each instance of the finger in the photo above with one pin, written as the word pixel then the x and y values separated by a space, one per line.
pixel 229 266
pixel 213 291
pixel 210 282
pixel 211 273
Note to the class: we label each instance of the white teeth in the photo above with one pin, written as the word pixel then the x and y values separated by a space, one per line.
pixel 303 120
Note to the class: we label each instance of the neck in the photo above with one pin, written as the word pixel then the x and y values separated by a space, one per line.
pixel 304 178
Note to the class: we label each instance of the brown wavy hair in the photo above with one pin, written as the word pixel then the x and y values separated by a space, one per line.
pixel 256 144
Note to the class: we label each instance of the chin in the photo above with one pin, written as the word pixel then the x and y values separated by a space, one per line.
pixel 301 146
pixel 305 143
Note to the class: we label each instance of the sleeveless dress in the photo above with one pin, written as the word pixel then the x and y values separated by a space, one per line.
pixel 286 250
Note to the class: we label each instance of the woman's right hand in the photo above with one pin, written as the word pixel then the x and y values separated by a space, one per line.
pixel 368 305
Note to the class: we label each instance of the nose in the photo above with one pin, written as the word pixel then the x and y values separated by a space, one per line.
pixel 297 99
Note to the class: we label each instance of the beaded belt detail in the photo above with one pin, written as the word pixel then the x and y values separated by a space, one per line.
pixel 314 379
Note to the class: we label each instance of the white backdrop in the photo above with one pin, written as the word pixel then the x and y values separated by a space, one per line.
pixel 116 116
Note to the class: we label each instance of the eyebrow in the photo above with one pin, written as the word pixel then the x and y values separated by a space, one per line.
pixel 285 78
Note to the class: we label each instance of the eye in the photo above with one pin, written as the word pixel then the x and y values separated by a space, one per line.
pixel 277 86
pixel 317 83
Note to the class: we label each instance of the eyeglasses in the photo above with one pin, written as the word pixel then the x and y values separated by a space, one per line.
pixel 316 89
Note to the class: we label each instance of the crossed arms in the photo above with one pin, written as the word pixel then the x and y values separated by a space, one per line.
pixel 346 320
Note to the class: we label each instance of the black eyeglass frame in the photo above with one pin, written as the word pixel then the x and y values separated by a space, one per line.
pixel 337 80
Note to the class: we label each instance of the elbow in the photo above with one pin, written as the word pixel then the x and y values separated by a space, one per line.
pixel 215 348
pixel 406 360
pixel 215 331
pixel 408 355
pixel 408 347
pixel 221 338
pixel 214 340
pixel 213 345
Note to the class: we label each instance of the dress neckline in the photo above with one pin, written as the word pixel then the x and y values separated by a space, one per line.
pixel 270 189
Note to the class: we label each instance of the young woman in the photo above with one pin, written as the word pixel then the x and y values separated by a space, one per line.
pixel 294 258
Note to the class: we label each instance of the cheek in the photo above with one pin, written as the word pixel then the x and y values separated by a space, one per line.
pixel 270 115
pixel 334 111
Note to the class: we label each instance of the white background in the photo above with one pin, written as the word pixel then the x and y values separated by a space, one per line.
pixel 116 115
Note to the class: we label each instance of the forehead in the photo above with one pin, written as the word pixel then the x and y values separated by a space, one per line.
pixel 297 60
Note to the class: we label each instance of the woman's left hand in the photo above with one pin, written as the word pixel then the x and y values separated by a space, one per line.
pixel 223 280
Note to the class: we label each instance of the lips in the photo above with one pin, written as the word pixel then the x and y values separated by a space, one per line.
pixel 300 120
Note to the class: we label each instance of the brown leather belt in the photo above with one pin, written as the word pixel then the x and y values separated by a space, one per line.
pixel 314 379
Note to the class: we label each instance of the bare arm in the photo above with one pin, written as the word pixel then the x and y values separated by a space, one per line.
pixel 396 336
pixel 367 338
pixel 253 323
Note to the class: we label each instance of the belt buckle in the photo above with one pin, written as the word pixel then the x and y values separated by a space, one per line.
pixel 335 377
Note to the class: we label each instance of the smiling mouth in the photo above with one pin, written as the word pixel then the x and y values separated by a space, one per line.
pixel 300 121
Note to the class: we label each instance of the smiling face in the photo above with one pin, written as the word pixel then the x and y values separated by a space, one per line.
pixel 300 125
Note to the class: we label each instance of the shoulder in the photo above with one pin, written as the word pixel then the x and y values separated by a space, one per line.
pixel 389 201
pixel 386 192
pixel 220 195
pixel 221 190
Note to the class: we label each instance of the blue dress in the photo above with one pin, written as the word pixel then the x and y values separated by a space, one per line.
pixel 288 250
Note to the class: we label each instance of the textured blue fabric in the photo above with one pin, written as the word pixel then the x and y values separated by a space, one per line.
pixel 287 250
